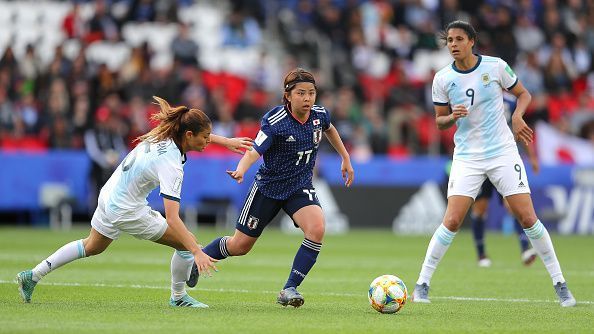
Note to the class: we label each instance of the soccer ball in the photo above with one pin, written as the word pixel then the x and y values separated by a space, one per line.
pixel 387 294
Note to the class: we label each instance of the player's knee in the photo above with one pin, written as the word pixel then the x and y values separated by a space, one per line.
pixel 527 220
pixel 314 232
pixel 452 222
pixel 239 248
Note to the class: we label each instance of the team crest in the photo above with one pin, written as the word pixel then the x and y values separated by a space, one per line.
pixel 486 79
pixel 252 222
pixel 316 122
pixel 317 136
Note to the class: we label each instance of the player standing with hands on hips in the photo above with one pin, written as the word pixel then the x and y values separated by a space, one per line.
pixel 484 148
pixel 288 141
pixel 157 161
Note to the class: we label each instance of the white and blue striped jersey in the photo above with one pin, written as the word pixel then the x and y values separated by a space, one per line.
pixel 289 149
pixel 146 167
pixel 484 133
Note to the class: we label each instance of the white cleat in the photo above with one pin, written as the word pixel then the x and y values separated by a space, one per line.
pixel 565 297
pixel 484 262
pixel 421 294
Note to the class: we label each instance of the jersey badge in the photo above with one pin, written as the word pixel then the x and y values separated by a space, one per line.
pixel 485 78
pixel 252 222
pixel 317 136
pixel 316 122
pixel 260 138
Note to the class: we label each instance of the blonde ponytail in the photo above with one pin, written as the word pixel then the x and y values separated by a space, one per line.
pixel 174 121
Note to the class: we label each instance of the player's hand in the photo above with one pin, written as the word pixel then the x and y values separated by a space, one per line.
pixel 522 132
pixel 236 175
pixel 535 165
pixel 205 263
pixel 348 173
pixel 239 144
pixel 459 111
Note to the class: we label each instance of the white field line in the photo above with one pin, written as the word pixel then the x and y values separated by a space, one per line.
pixel 159 287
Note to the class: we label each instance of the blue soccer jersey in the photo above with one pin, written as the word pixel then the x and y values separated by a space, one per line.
pixel 289 149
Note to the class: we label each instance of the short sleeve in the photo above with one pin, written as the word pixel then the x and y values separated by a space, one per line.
pixel 264 138
pixel 438 93
pixel 171 176
pixel 327 120
pixel 509 79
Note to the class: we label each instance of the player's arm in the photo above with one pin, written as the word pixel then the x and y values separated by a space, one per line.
pixel 444 119
pixel 244 164
pixel 521 130
pixel 348 173
pixel 237 145
pixel 185 237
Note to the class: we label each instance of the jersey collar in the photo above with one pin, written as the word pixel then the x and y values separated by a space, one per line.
pixel 470 70
pixel 184 158
pixel 288 108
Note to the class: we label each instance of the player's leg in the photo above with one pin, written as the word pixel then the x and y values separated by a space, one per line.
pixel 521 206
pixel 181 264
pixel 94 244
pixel 463 186
pixel 100 237
pixel 305 210
pixel 527 253
pixel 440 242
pixel 478 213
pixel 257 211
pixel 512 183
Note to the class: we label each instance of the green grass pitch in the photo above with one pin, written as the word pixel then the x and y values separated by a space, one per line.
pixel 126 289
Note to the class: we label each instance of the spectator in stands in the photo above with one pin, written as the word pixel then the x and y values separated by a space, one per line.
pixel 241 31
pixel 102 25
pixel 184 48
pixel 106 147
pixel 73 24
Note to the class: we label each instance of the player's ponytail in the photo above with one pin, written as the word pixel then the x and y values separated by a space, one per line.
pixel 174 122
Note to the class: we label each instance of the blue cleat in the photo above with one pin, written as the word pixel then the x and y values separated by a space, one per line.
pixel 290 296
pixel 565 297
pixel 194 275
pixel 187 301
pixel 421 293
pixel 26 285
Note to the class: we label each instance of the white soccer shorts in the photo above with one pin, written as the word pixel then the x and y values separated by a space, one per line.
pixel 506 172
pixel 149 226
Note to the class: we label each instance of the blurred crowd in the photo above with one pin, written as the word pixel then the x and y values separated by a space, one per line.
pixel 86 78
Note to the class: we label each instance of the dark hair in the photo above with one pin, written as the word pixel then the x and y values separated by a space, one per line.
pixel 294 77
pixel 174 122
pixel 467 27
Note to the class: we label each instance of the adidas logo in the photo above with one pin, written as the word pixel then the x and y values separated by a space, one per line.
pixel 290 139
pixel 521 185
pixel 453 85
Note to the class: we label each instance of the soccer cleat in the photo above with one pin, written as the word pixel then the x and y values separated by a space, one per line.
pixel 421 293
pixel 26 285
pixel 290 296
pixel 484 262
pixel 194 275
pixel 565 297
pixel 187 301
pixel 528 256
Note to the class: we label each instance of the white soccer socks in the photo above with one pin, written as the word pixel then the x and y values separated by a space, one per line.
pixel 541 241
pixel 439 244
pixel 66 254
